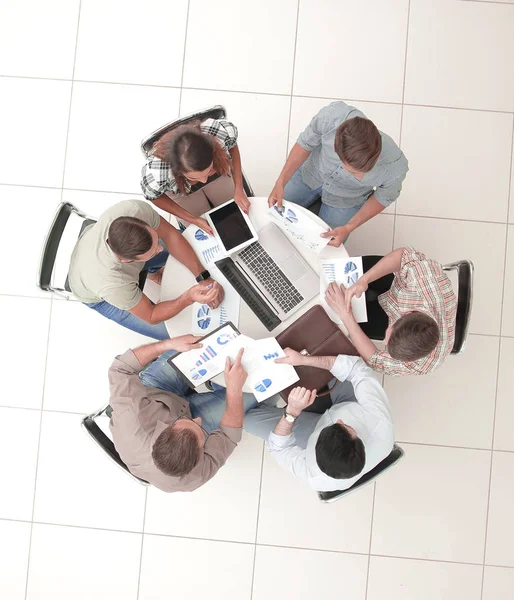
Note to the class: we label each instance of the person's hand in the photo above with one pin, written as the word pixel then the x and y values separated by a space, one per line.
pixel 205 293
pixel 183 343
pixel 357 289
pixel 299 399
pixel 292 357
pixel 202 223
pixel 220 293
pixel 235 374
pixel 338 235
pixel 335 297
pixel 242 200
pixel 276 196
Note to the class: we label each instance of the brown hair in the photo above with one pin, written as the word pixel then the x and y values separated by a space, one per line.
pixel 187 148
pixel 129 237
pixel 358 143
pixel 414 336
pixel 176 452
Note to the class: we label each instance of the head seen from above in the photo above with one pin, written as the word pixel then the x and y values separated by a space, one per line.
pixel 178 448
pixel 191 154
pixel 358 144
pixel 414 336
pixel 132 240
pixel 340 453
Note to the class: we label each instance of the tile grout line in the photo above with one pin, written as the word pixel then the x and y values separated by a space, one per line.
pixel 71 101
pixel 142 545
pixel 370 539
pixel 257 521
pixel 488 2
pixel 183 58
pixel 255 92
pixel 37 452
pixel 497 369
pixel 292 77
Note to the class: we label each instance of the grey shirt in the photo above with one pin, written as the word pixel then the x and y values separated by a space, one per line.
pixel 141 414
pixel 324 168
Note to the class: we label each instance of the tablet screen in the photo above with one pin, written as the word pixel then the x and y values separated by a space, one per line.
pixel 231 225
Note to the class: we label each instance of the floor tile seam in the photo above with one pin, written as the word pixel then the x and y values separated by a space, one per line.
pixel 183 68
pixel 292 87
pixel 142 545
pixel 488 2
pixel 370 539
pixel 257 518
pixel 485 222
pixel 38 450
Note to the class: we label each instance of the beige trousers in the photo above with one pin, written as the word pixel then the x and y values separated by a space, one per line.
pixel 213 194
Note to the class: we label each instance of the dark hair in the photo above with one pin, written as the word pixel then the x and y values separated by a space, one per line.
pixel 187 148
pixel 358 143
pixel 129 237
pixel 176 452
pixel 338 454
pixel 413 336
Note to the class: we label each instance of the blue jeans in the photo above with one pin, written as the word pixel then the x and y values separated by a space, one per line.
pixel 300 193
pixel 127 319
pixel 210 406
pixel 261 420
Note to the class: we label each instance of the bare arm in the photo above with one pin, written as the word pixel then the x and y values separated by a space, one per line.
pixel 145 354
pixel 178 247
pixel 235 376
pixel 237 173
pixel 295 160
pixel 166 203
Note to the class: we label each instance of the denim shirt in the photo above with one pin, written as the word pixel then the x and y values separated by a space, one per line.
pixel 324 168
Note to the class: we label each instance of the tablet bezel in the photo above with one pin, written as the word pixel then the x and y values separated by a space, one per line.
pixel 235 249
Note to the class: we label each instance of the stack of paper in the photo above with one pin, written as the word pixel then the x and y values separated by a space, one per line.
pixel 298 225
pixel 344 271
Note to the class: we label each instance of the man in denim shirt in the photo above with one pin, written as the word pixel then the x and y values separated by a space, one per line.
pixel 342 157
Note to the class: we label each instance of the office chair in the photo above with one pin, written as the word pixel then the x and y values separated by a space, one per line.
pixel 465 270
pixel 67 227
pixel 68 223
pixel 214 112
pixel 104 442
pixel 396 454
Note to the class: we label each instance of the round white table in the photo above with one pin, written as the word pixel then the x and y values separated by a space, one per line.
pixel 177 279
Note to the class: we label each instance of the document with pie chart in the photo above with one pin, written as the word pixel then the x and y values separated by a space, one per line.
pixel 346 271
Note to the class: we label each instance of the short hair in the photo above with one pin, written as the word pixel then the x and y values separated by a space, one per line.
pixel 413 336
pixel 176 452
pixel 338 454
pixel 358 143
pixel 129 237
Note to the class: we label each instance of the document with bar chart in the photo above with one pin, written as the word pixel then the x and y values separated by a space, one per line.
pixel 201 364
pixel 346 271
pixel 205 246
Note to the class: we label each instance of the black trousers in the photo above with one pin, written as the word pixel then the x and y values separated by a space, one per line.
pixel 378 321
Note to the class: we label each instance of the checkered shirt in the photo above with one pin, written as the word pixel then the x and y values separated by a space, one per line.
pixel 422 285
pixel 156 176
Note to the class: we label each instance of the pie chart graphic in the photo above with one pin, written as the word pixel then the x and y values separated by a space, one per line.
pixel 263 385
pixel 203 319
pixel 224 338
pixel 291 216
pixel 349 267
pixel 352 278
pixel 199 374
pixel 201 235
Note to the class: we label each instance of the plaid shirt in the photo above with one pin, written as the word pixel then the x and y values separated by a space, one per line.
pixel 156 176
pixel 422 285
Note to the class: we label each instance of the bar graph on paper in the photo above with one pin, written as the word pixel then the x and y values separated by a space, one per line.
pixel 209 255
pixel 329 270
pixel 206 356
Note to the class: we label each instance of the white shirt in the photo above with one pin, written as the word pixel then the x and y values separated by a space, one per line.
pixel 370 416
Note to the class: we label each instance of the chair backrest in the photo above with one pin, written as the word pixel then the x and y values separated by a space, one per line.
pixel 465 270
pixel 214 112
pixel 68 224
pixel 396 454
pixel 106 444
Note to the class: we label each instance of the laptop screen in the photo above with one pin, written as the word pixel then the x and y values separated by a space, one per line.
pixel 231 225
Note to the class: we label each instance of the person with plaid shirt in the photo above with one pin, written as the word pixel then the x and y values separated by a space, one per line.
pixel 413 311
pixel 194 167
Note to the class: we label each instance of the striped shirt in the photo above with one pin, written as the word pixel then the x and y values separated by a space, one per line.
pixel 156 176
pixel 422 285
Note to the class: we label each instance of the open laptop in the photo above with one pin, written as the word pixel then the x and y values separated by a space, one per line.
pixel 269 274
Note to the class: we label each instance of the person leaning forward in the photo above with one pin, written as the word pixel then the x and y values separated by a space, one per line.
pixel 154 430
pixel 110 255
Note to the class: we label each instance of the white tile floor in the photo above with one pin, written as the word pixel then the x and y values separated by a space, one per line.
pixel 81 82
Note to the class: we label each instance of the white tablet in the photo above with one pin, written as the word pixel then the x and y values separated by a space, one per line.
pixel 232 228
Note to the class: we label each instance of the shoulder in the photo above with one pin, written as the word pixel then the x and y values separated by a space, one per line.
pixel 391 156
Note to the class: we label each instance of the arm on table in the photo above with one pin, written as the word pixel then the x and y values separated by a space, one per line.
pixel 295 160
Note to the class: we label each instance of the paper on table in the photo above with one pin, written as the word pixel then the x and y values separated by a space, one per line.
pixel 346 271
pixel 265 377
pixel 201 364
pixel 299 226
pixel 206 247
pixel 205 319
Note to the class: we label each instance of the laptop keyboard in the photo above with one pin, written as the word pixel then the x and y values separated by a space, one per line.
pixel 260 263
